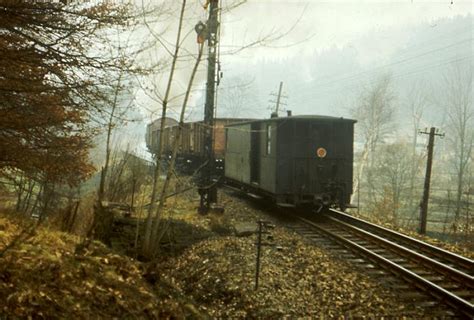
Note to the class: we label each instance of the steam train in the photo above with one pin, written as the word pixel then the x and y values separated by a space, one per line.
pixel 294 160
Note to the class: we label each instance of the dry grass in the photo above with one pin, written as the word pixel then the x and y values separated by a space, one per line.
pixel 50 274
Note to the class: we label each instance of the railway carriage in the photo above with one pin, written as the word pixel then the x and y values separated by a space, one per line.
pixel 295 160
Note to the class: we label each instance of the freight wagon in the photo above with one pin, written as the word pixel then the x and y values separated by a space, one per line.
pixel 191 143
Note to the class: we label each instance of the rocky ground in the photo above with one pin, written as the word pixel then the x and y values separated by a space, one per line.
pixel 203 271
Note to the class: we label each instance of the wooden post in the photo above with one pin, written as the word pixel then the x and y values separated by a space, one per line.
pixel 426 191
pixel 259 248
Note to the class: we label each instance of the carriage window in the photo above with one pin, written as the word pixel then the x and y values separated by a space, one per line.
pixel 269 139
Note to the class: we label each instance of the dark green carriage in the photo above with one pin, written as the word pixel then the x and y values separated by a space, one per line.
pixel 295 160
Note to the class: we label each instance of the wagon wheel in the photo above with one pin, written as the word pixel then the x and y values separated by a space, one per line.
pixel 341 203
pixel 342 206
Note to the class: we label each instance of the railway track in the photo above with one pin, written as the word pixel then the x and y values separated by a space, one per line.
pixel 435 277
pixel 463 264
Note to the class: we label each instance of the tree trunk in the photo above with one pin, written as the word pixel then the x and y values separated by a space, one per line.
pixel 156 174
pixel 110 126
pixel 155 238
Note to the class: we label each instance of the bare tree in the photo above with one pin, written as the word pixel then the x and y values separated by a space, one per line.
pixel 155 234
pixel 115 112
pixel 110 125
pixel 392 169
pixel 417 101
pixel 237 97
pixel 374 113
pixel 128 172
pixel 149 223
pixel 460 113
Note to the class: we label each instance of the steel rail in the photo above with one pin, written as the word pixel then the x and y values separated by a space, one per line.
pixel 461 305
pixel 466 263
pixel 446 270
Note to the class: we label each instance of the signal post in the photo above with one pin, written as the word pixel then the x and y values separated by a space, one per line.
pixel 207 188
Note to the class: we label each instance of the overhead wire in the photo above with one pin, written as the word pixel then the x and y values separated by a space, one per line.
pixel 405 60
pixel 394 76
pixel 377 69
pixel 367 73
pixel 410 49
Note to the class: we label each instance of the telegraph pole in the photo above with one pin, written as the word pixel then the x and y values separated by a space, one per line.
pixel 207 189
pixel 279 97
pixel 426 191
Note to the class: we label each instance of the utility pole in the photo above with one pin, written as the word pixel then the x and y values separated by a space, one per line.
pixel 426 192
pixel 207 189
pixel 279 97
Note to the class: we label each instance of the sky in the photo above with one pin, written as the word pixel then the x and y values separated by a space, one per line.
pixel 318 25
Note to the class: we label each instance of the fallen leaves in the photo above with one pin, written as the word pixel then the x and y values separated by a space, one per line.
pixel 43 277
pixel 212 273
pixel 302 280
pixel 299 281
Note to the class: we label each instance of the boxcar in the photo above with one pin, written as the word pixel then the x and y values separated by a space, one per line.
pixel 296 160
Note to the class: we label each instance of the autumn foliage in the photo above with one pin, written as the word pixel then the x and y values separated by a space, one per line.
pixel 52 82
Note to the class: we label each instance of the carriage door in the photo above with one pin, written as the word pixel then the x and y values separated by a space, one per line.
pixel 255 154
